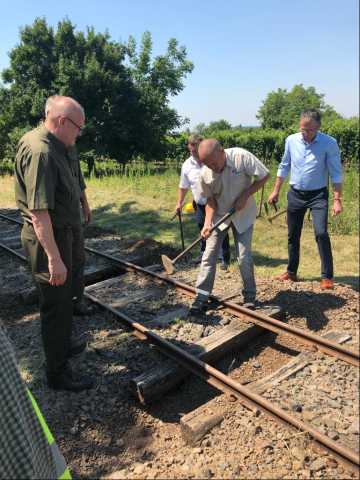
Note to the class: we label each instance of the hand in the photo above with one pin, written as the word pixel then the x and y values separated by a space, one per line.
pixel 205 232
pixel 241 201
pixel 179 207
pixel 273 197
pixel 58 272
pixel 87 213
pixel 337 208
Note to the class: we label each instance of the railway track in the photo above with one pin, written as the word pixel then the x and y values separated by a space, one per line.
pixel 264 321
pixel 205 371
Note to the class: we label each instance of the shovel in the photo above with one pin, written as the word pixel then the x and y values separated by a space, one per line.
pixel 178 214
pixel 169 264
pixel 181 230
pixel 277 214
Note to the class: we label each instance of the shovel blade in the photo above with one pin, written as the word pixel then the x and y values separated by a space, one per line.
pixel 168 264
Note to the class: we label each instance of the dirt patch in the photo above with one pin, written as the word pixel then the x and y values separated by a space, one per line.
pixel 92 231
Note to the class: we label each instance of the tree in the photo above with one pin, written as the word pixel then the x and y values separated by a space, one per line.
pixel 200 129
pixel 215 126
pixel 218 125
pixel 281 109
pixel 156 80
pixel 126 102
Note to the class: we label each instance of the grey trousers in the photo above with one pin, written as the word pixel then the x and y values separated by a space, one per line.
pixel 206 277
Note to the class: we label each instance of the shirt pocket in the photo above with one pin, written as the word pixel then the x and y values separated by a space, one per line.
pixel 65 187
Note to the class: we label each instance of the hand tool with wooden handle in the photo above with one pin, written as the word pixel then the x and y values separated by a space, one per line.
pixel 169 264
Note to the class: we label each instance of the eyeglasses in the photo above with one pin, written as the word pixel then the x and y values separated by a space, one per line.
pixel 76 125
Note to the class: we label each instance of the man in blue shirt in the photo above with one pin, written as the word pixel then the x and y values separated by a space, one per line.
pixel 310 156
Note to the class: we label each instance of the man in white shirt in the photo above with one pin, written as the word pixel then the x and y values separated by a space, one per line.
pixel 190 174
pixel 227 181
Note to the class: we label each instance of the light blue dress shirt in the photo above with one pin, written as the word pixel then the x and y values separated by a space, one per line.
pixel 311 163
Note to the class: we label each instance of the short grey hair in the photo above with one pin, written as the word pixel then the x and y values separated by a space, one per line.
pixel 311 115
pixel 195 138
pixel 49 103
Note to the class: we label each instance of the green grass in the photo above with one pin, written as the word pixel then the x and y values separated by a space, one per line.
pixel 142 205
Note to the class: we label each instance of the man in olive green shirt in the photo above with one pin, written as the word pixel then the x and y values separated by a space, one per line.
pixel 49 190
pixel 78 285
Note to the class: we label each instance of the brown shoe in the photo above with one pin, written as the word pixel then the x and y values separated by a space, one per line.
pixel 327 284
pixel 287 276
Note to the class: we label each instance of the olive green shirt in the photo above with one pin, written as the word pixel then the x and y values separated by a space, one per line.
pixel 48 177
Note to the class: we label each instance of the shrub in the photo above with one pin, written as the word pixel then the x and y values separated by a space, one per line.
pixel 268 144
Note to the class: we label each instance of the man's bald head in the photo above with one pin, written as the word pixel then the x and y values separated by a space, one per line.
pixel 212 154
pixel 60 105
pixel 64 118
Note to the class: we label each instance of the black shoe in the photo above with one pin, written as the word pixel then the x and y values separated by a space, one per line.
pixel 65 380
pixel 249 305
pixel 198 307
pixel 77 347
pixel 80 309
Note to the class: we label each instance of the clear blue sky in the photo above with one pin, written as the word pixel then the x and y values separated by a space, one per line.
pixel 241 49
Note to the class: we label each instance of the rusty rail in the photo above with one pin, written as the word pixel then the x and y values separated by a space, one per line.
pixel 224 383
pixel 13 252
pixel 257 318
pixel 10 219
pixel 268 323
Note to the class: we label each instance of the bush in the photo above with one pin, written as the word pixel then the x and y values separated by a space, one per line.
pixel 268 145
pixel 7 166
pixel 346 132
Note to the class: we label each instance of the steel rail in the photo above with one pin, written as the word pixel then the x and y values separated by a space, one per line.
pixel 225 384
pixel 268 323
pixel 327 346
pixel 13 252
pixel 10 219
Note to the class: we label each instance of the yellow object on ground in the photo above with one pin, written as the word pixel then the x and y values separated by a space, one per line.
pixel 188 208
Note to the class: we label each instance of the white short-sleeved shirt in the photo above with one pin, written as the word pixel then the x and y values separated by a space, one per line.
pixel 190 175
pixel 227 186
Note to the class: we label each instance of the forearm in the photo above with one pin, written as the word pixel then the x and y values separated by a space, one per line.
pixel 44 231
pixel 83 199
pixel 181 195
pixel 278 183
pixel 337 204
pixel 337 188
pixel 210 210
pixel 85 207
pixel 255 186
pixel 241 201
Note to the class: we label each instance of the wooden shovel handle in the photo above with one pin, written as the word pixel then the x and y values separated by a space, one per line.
pixel 222 219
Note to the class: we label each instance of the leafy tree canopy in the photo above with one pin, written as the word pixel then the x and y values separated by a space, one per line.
pixel 124 90
pixel 281 109
pixel 215 126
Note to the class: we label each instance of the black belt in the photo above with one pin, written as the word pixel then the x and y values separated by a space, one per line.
pixel 303 192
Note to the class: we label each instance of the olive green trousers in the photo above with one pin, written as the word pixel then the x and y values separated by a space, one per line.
pixel 56 302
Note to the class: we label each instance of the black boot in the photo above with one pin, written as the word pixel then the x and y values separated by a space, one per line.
pixel 65 380
pixel 80 309
pixel 77 347
pixel 199 306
